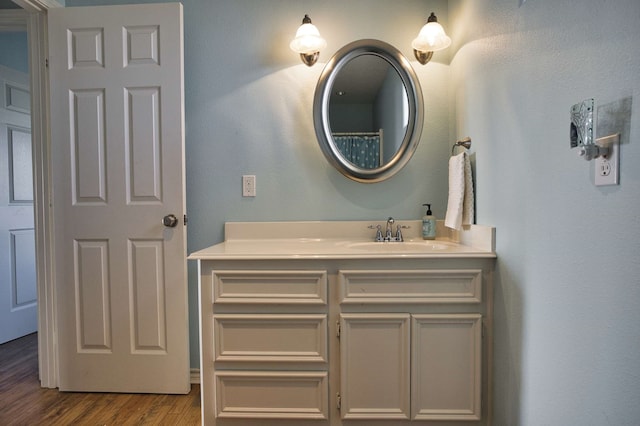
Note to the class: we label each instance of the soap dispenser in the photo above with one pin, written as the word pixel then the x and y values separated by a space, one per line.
pixel 428 224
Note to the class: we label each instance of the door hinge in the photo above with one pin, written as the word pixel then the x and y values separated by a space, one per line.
pixel 338 401
pixel 338 329
pixel 185 220
pixel 46 62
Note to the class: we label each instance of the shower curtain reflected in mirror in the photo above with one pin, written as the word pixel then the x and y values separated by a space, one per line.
pixel 362 150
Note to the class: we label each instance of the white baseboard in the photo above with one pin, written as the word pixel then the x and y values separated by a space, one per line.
pixel 195 376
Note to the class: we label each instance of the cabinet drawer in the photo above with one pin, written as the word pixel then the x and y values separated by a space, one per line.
pixel 270 338
pixel 278 394
pixel 270 287
pixel 411 286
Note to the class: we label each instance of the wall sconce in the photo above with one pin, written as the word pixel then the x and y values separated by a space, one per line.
pixel 308 42
pixel 431 38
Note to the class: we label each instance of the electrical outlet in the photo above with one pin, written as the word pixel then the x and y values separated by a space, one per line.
pixel 248 185
pixel 607 168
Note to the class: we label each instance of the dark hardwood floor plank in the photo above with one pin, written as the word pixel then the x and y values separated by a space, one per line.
pixel 24 402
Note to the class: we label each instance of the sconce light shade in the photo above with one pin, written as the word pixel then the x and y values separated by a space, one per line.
pixel 308 42
pixel 431 38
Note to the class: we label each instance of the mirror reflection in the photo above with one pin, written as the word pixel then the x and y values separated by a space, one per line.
pixel 368 111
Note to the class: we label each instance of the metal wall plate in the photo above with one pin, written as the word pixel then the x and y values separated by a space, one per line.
pixel 581 128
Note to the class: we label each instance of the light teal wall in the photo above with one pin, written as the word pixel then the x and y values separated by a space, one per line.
pixel 567 335
pixel 567 299
pixel 248 107
pixel 14 50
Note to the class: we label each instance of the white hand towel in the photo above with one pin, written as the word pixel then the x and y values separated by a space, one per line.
pixel 460 207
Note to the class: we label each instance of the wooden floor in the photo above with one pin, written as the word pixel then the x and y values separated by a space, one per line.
pixel 24 402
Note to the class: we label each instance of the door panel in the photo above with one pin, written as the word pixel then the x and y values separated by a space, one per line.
pixel 118 169
pixel 93 309
pixel 88 150
pixel 148 315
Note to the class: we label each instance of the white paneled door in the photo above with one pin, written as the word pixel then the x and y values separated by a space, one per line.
pixel 117 114
pixel 18 300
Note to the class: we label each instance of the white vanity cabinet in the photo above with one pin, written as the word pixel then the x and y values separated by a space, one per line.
pixel 310 333
pixel 420 331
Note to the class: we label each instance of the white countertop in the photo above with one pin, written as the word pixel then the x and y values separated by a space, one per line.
pixel 344 240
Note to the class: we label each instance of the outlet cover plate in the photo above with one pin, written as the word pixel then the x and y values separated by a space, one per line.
pixel 248 185
pixel 607 169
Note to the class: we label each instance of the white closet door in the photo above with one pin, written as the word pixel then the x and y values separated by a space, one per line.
pixel 118 169
pixel 18 298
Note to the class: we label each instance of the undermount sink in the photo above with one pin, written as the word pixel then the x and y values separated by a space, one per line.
pixel 408 246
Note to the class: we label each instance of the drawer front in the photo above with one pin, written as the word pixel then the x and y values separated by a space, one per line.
pixel 410 286
pixel 270 338
pixel 270 287
pixel 278 394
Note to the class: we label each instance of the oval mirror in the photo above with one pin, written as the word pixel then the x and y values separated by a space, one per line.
pixel 367 111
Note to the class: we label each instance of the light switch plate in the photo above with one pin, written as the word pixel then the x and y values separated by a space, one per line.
pixel 607 169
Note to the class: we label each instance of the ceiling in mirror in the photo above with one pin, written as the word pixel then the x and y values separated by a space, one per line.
pixel 360 80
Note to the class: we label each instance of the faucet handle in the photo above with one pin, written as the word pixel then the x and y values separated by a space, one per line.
pixel 379 236
pixel 399 234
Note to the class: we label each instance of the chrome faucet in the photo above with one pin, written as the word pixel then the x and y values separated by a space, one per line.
pixel 388 234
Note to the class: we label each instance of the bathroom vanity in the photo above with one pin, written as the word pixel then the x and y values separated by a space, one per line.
pixel 314 323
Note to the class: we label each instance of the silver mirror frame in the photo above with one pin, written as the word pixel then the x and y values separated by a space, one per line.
pixel 321 110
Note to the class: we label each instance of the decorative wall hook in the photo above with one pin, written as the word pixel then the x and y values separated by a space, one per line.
pixel 581 132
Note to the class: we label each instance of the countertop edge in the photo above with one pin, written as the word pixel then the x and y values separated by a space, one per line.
pixel 324 240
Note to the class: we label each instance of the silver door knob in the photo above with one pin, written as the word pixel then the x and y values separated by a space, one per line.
pixel 170 221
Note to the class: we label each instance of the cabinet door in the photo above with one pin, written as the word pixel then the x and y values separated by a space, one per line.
pixel 446 359
pixel 375 366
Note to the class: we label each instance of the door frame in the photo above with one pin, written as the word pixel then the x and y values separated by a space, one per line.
pixel 33 19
